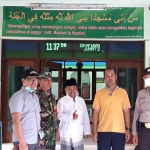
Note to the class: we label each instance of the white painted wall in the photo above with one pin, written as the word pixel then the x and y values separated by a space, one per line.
pixel 147 36
pixel 110 3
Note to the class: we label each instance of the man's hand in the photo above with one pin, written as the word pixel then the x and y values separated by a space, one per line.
pixel 57 134
pixel 41 142
pixel 23 146
pixel 127 135
pixel 135 139
pixel 87 136
pixel 75 116
pixel 95 136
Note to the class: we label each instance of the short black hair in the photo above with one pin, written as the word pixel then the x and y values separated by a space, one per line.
pixel 111 69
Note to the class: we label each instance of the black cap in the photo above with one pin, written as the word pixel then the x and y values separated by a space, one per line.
pixel 71 82
pixel 146 71
pixel 29 73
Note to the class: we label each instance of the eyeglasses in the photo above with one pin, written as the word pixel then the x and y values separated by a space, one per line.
pixel 32 79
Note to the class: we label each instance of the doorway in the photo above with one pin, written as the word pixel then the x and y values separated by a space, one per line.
pixel 89 80
pixel 129 77
pixel 11 82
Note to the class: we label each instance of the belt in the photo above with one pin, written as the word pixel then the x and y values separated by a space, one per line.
pixel 146 125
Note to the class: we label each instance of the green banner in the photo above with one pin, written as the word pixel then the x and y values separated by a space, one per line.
pixel 109 23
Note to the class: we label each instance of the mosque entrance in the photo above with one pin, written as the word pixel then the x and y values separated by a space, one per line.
pixel 83 60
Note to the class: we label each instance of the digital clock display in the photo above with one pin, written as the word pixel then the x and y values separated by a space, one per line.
pixel 55 46
pixel 82 46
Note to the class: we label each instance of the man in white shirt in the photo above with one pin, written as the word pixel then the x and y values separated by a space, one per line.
pixel 74 119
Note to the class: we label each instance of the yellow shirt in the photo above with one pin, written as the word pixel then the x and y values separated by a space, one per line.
pixel 111 106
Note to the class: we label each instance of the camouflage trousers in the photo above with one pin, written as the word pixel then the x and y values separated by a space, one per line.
pixel 49 141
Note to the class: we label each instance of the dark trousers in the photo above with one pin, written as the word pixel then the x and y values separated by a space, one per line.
pixel 30 146
pixel 144 138
pixel 137 147
pixel 108 140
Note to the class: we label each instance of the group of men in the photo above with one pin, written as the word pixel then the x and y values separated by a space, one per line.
pixel 38 121
pixel 36 116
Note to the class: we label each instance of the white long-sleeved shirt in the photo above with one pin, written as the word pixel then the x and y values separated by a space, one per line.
pixel 68 127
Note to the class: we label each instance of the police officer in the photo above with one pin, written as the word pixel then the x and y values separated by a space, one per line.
pixel 142 115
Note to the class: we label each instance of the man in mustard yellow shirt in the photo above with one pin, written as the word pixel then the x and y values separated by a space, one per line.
pixel 111 115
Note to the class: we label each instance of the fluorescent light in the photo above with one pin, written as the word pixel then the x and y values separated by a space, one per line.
pixel 63 6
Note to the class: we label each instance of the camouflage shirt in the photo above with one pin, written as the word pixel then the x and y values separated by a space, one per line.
pixel 48 119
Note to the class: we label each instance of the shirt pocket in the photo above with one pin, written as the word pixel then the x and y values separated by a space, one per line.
pixel 143 104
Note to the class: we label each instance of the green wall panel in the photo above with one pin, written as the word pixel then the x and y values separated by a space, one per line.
pixel 90 55
pixel 50 54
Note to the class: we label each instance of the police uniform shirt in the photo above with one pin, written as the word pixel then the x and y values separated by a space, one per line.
pixel 142 109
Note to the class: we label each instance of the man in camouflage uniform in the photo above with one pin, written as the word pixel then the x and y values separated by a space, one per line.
pixel 48 112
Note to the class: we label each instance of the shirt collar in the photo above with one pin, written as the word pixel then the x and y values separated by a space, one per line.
pixel 40 90
pixel 107 88
pixel 147 89
pixel 71 98
pixel 47 92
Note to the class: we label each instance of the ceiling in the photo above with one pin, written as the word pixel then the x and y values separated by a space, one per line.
pixel 109 3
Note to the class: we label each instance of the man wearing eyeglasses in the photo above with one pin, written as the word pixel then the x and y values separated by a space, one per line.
pixel 25 110
pixel 48 114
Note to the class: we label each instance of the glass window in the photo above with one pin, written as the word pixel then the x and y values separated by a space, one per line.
pixel 55 76
pixel 100 80
pixel 100 65
pixel 72 74
pixel 127 79
pixel 86 85
pixel 88 65
pixel 75 65
pixel 70 65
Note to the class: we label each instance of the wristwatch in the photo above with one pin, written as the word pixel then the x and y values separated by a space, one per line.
pixel 128 129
